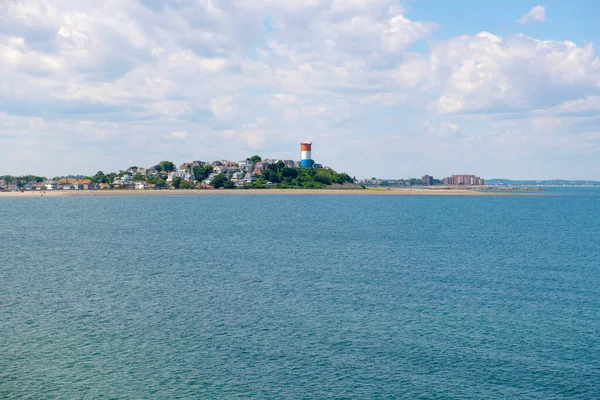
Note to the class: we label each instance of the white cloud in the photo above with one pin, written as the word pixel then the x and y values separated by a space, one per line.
pixel 442 130
pixel 225 108
pixel 242 74
pixel 536 14
pixel 281 99
pixel 178 135
pixel 488 73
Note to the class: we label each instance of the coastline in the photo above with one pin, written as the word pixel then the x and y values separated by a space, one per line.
pixel 243 192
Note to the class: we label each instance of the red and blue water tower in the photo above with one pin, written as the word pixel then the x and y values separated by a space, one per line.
pixel 306 160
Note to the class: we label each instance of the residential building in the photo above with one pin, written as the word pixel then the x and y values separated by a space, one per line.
pixel 246 167
pixel 427 180
pixel 50 185
pixel 66 181
pixel 87 184
pixel 464 180
pixel 249 178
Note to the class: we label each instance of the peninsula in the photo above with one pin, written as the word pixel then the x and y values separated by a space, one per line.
pixel 250 176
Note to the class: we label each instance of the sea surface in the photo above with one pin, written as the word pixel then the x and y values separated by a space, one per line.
pixel 301 296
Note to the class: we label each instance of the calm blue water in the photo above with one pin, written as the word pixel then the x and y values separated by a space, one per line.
pixel 301 297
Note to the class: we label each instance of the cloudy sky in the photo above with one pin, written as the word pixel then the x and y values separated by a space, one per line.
pixel 383 88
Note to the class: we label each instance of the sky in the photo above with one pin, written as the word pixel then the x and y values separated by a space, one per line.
pixel 383 88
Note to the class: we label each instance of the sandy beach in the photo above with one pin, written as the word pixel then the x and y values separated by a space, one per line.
pixel 244 192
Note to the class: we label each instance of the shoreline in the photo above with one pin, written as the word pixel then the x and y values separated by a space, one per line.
pixel 243 192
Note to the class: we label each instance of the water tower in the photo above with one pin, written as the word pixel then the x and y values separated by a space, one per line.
pixel 306 155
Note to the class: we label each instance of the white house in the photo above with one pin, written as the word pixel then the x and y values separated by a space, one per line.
pixel 50 185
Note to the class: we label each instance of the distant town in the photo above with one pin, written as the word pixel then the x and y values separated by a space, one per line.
pixel 253 173
pixel 426 180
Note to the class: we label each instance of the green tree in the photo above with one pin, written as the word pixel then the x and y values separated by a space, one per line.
pixel 176 182
pixel 166 166
pixel 290 172
pixel 218 181
pixel 323 178
pixel 229 184
pixel 99 177
pixel 156 180
pixel 255 159
pixel 202 172
pixel 138 178
pixel 186 184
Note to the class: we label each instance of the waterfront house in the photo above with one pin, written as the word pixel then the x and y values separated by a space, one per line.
pixel 249 178
pixel 122 181
pixel 29 185
pixel 50 185
pixel 66 181
pixel 86 184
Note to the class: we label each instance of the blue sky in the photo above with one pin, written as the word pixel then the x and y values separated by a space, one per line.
pixel 383 88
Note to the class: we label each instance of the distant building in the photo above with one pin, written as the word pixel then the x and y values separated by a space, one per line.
pixel 464 180
pixel 427 180
pixel 49 185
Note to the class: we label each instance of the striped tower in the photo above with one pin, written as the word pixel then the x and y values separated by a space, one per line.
pixel 306 159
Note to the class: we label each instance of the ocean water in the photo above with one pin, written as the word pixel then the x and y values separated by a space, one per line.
pixel 308 296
